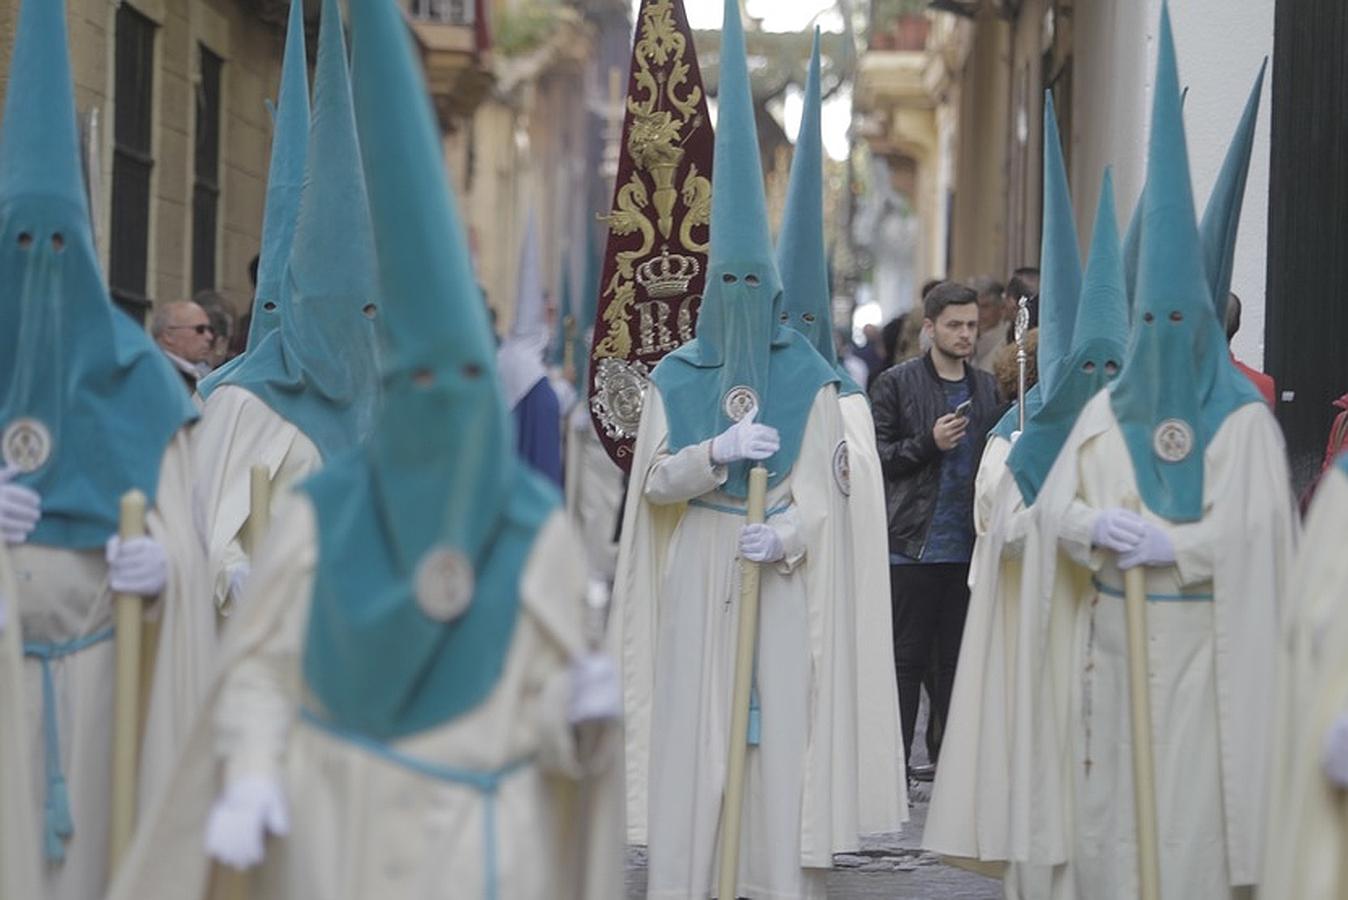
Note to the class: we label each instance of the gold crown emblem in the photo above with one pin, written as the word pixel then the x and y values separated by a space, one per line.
pixel 667 275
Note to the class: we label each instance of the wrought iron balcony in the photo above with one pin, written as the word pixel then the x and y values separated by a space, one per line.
pixel 445 12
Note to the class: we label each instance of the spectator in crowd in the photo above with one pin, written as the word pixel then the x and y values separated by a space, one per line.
pixel 1006 368
pixel 993 323
pixel 1267 387
pixel 872 352
pixel 222 323
pixel 238 342
pixel 932 415
pixel 183 331
pixel 1024 282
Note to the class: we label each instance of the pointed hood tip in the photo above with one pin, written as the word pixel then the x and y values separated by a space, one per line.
pixel 41 160
pixel 1060 257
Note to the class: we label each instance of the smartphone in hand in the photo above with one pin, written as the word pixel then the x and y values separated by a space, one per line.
pixel 962 411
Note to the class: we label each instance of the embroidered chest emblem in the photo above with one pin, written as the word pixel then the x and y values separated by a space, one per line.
pixel 738 401
pixel 444 584
pixel 1173 440
pixel 26 444
pixel 842 468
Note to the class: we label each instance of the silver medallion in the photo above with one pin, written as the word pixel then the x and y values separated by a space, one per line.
pixel 842 468
pixel 1173 440
pixel 444 583
pixel 739 401
pixel 26 444
pixel 620 391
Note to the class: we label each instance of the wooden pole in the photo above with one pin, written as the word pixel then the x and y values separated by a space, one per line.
pixel 732 809
pixel 1144 771
pixel 129 612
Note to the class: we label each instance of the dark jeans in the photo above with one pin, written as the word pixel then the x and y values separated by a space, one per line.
pixel 930 602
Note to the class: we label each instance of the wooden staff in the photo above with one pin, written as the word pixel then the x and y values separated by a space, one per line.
pixel 732 809
pixel 126 706
pixel 1144 771
pixel 227 883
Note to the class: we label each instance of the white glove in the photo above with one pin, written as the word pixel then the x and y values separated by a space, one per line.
pixel 1015 436
pixel 20 508
pixel 761 544
pixel 1335 752
pixel 745 440
pixel 247 811
pixel 1155 549
pixel 1118 530
pixel 138 566
pixel 596 690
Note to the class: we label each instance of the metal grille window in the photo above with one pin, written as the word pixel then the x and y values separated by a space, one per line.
pixel 132 161
pixel 206 185
pixel 448 12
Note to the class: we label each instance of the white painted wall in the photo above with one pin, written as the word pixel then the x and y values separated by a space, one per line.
pixel 1220 44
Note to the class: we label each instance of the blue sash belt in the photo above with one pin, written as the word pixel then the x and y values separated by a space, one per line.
pixel 485 783
pixel 1110 591
pixel 57 826
pixel 734 510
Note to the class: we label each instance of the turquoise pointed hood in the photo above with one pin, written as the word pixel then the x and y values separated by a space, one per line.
pixel 88 404
pixel 1178 384
pixel 743 354
pixel 1059 276
pixel 424 530
pixel 1094 359
pixel 520 356
pixel 807 299
pixel 285 179
pixel 1221 218
pixel 318 370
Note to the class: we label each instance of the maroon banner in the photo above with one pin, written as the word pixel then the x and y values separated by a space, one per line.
pixel 656 259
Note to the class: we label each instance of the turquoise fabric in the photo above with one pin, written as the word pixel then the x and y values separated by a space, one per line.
pixel 318 370
pixel 741 341
pixel 285 180
pixel 1095 359
pixel 1010 420
pixel 1059 259
pixel 439 471
pixel 807 300
pixel 1178 371
pixel 586 307
pixel 1221 218
pixel 57 824
pixel 108 399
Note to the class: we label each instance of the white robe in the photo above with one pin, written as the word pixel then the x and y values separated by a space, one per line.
pixel 674 627
pixel 1211 669
pixel 238 431
pixel 594 494
pixel 63 596
pixel 883 803
pixel 1307 852
pixel 19 833
pixel 986 481
pixel 365 827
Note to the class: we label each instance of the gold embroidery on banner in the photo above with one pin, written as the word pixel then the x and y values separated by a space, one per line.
pixel 664 112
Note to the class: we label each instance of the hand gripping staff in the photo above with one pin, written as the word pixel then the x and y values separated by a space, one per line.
pixel 228 883
pixel 1144 774
pixel 129 613
pixel 732 809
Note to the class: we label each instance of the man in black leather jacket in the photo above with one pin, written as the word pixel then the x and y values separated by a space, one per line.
pixel 930 453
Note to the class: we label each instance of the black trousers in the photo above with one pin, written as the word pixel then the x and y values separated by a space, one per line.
pixel 930 602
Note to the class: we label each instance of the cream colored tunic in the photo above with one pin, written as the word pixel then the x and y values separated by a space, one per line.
pixel 361 825
pixel 674 627
pixel 990 470
pixel 1307 851
pixel 19 833
pixel 1211 664
pixel 883 802
pixel 594 494
pixel 63 596
pixel 238 431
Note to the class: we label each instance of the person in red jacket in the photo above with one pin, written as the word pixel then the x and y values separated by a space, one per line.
pixel 1264 382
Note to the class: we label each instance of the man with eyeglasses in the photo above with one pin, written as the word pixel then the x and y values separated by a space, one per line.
pixel 183 331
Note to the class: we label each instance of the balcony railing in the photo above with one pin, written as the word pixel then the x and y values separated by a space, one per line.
pixel 445 12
